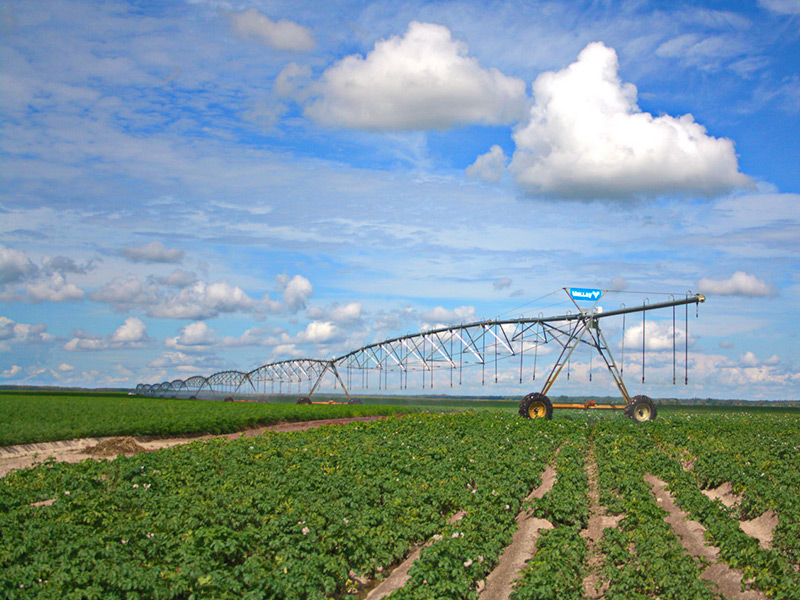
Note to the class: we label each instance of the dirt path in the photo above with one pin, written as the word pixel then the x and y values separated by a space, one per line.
pixel 598 521
pixel 72 451
pixel 499 583
pixel 691 535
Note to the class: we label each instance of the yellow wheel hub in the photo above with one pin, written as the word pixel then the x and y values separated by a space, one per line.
pixel 642 413
pixel 537 410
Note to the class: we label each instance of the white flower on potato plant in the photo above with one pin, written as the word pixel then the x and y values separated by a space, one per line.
pixel 136 486
pixel 306 531
pixel 468 562
pixel 66 492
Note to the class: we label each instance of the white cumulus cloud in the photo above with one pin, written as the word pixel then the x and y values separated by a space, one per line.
pixel 423 80
pixel 280 35
pixel 489 166
pixel 132 331
pixel 587 138
pixel 55 289
pixel 203 301
pixel 738 284
pixel 296 291
pixel 658 337
pixel 12 332
pixel 197 334
pixel 15 265
pixel 318 332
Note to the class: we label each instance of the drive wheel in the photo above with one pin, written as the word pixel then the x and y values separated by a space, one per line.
pixel 641 409
pixel 536 406
pixel 304 400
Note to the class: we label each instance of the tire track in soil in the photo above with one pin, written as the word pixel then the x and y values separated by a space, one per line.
pixel 594 586
pixel 692 537
pixel 499 583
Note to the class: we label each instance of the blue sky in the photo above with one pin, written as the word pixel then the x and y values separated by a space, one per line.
pixel 194 186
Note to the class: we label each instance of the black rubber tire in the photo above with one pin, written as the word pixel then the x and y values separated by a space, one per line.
pixel 304 400
pixel 354 401
pixel 641 409
pixel 536 406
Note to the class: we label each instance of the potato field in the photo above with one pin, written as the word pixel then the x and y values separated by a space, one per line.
pixel 332 512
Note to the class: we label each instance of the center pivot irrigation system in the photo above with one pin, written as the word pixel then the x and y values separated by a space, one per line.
pixel 447 351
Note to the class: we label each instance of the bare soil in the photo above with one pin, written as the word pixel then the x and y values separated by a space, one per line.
pixel 691 535
pixel 762 528
pixel 26 455
pixel 499 583
pixel 593 585
pixel 723 493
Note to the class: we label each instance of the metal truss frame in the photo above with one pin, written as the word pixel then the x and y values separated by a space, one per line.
pixel 447 349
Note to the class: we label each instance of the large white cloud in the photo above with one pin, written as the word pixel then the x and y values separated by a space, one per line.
pixel 586 137
pixel 738 284
pixel 424 80
pixel 280 35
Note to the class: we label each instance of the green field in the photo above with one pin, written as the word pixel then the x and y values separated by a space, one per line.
pixel 309 514
pixel 27 417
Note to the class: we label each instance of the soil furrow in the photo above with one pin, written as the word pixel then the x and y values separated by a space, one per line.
pixel 499 583
pixel 593 585
pixel 399 575
pixel 692 537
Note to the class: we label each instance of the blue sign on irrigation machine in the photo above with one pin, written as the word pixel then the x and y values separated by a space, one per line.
pixel 585 294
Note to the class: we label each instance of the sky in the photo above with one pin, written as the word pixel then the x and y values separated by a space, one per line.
pixel 190 187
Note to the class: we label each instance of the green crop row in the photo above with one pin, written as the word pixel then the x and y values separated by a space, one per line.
pixel 643 557
pixel 279 516
pixel 27 417
pixel 311 514
pixel 557 568
pixel 759 465
pixel 754 460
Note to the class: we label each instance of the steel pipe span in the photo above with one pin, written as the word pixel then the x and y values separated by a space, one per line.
pixel 437 357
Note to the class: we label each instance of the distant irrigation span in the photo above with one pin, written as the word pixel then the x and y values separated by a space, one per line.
pixel 443 357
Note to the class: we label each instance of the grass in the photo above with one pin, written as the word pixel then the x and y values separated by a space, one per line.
pixel 33 416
